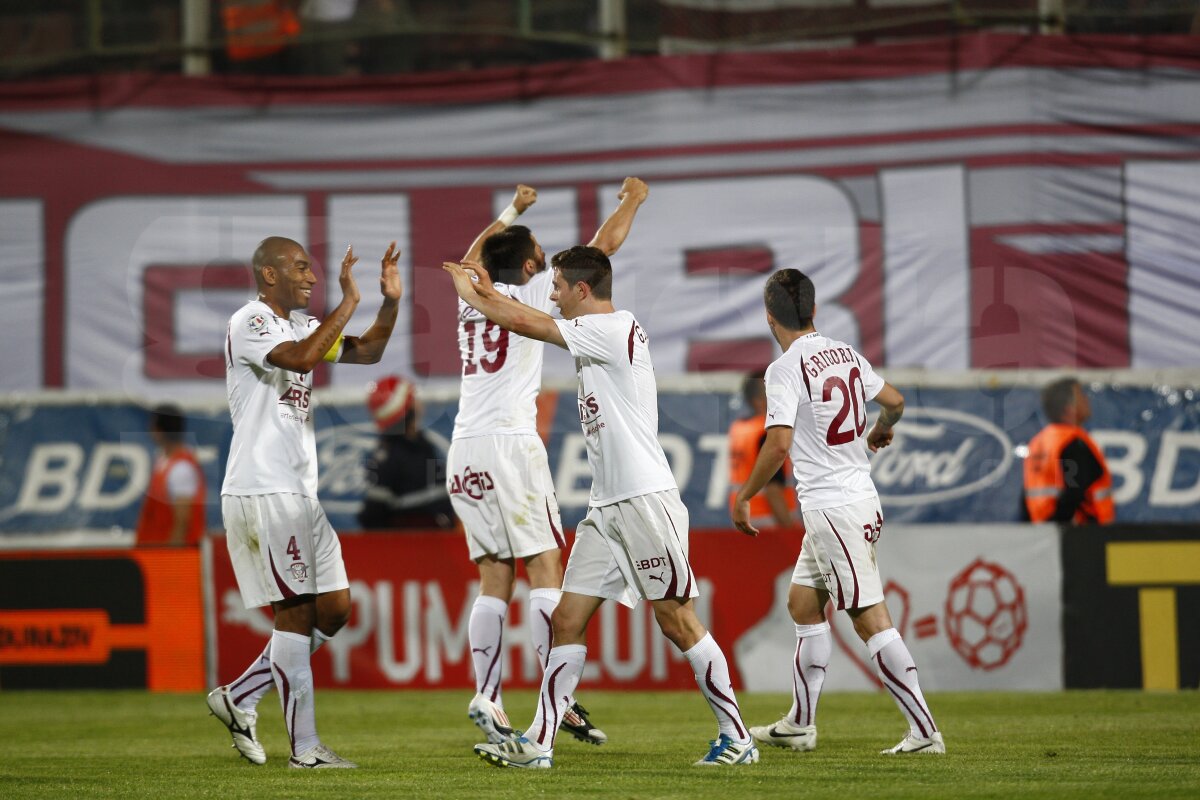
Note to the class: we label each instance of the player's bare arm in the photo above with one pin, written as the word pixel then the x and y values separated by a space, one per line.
pixel 368 348
pixel 615 229
pixel 524 197
pixel 892 401
pixel 770 458
pixel 303 356
pixel 504 311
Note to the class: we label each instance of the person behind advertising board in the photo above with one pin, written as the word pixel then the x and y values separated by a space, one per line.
pixel 1065 476
pixel 283 550
pixel 499 475
pixel 173 510
pixel 633 544
pixel 405 473
pixel 774 505
pixel 817 394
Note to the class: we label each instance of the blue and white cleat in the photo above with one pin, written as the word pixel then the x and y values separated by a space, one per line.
pixel 518 752
pixel 491 719
pixel 724 751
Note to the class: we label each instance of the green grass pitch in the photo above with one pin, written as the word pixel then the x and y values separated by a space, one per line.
pixel 418 744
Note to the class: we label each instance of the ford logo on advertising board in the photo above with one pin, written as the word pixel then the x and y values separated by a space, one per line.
pixel 342 452
pixel 940 454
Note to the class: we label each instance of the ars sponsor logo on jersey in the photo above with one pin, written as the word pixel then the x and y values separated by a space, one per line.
pixel 590 415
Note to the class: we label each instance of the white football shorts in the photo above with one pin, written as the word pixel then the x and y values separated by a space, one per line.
pixel 281 546
pixel 501 489
pixel 633 549
pixel 838 554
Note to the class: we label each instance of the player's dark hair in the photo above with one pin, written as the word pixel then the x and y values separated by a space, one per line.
pixel 505 253
pixel 585 264
pixel 753 385
pixel 790 297
pixel 1057 397
pixel 167 419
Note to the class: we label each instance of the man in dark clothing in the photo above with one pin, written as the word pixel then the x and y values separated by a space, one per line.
pixel 406 473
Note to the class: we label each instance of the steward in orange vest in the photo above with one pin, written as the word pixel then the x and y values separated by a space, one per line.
pixel 1066 479
pixel 776 503
pixel 173 511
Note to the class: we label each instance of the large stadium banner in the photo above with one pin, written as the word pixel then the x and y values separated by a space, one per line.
pixel 989 201
pixel 71 465
pixel 978 606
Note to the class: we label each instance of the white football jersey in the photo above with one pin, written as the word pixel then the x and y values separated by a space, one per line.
pixel 274 446
pixel 618 406
pixel 501 371
pixel 820 387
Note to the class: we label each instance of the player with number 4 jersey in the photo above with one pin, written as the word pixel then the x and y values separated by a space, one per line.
pixel 498 475
pixel 817 395
pixel 284 552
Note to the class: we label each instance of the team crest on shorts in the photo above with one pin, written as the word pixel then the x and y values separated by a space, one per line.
pixel 299 571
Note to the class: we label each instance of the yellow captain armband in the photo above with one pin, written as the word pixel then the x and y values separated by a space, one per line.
pixel 335 352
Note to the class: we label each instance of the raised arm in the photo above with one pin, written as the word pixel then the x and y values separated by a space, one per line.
pixel 368 348
pixel 504 311
pixel 893 408
pixel 525 197
pixel 612 233
pixel 303 356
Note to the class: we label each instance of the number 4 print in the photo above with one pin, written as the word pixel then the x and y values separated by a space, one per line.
pixel 293 549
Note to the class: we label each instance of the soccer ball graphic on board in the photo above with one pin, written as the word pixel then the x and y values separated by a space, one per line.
pixel 985 615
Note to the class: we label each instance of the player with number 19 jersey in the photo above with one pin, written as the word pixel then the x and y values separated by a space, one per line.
pixel 820 388
pixel 498 474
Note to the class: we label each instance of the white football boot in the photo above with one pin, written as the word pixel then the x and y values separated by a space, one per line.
pixel 240 724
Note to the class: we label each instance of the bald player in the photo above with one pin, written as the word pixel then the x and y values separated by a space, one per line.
pixel 284 551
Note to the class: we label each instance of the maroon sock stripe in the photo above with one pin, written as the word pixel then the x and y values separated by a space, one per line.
pixel 237 700
pixel 807 705
pixel 549 639
pixel 846 551
pixel 920 706
pixel 735 718
pixel 548 697
pixel 248 676
pixel 285 693
pixel 487 679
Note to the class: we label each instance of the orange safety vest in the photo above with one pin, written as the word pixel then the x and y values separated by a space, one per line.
pixel 1044 480
pixel 158 510
pixel 257 28
pixel 744 438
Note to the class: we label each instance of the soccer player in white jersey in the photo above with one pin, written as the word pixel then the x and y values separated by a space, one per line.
pixel 283 549
pixel 633 544
pixel 817 394
pixel 498 475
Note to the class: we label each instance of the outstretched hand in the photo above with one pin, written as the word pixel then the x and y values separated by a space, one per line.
pixel 346 277
pixel 463 282
pixel 390 284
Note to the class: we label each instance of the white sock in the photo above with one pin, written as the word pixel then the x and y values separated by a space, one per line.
pixel 486 634
pixel 563 671
pixel 293 677
pixel 813 647
pixel 542 603
pixel 248 690
pixel 318 639
pixel 895 667
pixel 255 682
pixel 712 676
